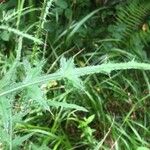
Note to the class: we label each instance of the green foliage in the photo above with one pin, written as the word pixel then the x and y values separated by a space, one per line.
pixel 131 28
pixel 74 74
pixel 87 132
pixel 142 148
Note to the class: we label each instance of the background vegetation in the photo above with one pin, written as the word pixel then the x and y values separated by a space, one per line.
pixel 49 99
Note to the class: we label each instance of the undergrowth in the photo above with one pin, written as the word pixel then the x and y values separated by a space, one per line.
pixel 74 75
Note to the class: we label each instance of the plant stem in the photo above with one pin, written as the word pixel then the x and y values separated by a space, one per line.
pixel 104 68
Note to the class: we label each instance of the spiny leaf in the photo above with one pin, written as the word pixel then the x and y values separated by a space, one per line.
pixel 67 69
pixel 17 32
pixel 19 140
pixel 66 105
pixel 142 148
pixel 5 112
pixel 34 92
pixel 78 72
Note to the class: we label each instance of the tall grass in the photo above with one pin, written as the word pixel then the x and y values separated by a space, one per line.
pixel 64 84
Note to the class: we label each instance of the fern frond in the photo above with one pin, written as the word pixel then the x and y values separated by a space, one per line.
pixel 132 16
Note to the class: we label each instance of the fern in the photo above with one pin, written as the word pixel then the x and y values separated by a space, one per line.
pixel 132 17
pixel 128 28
